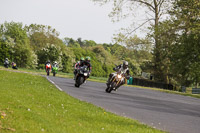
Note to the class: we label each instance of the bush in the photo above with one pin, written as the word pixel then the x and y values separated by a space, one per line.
pixel 41 66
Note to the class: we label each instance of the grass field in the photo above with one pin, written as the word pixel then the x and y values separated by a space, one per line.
pixel 29 103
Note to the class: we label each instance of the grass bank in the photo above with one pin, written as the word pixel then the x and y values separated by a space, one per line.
pixel 59 74
pixel 29 103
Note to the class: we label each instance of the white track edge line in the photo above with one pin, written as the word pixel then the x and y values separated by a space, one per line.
pixel 54 84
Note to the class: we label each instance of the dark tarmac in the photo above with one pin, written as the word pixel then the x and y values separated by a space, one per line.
pixel 169 112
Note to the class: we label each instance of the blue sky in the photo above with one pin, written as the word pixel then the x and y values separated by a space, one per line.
pixel 71 18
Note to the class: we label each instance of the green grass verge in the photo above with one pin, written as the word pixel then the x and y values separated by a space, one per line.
pixel 187 93
pixel 29 103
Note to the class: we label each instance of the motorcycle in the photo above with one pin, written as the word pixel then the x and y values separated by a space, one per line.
pixel 81 76
pixel 54 70
pixel 14 65
pixel 115 80
pixel 48 68
pixel 6 64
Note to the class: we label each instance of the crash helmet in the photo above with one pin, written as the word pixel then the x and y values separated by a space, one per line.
pixel 48 61
pixel 87 58
pixel 125 64
pixel 55 62
pixel 81 59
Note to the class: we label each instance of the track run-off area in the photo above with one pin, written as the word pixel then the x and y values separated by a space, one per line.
pixel 169 112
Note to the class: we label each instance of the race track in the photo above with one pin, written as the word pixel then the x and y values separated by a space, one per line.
pixel 169 112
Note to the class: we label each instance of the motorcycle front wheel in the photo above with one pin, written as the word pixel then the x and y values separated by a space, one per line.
pixel 110 87
pixel 79 81
pixel 47 72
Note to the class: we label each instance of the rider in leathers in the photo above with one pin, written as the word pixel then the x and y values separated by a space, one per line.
pixel 6 63
pixel 77 66
pixel 88 64
pixel 48 62
pixel 124 68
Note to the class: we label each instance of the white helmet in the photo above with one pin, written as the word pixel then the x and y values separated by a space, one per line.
pixel 125 64
pixel 55 62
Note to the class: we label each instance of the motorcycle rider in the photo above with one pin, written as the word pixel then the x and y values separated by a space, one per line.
pixel 54 68
pixel 55 64
pixel 122 67
pixel 77 66
pixel 6 63
pixel 14 65
pixel 48 62
pixel 88 64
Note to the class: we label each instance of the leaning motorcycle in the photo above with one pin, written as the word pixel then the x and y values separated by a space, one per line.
pixel 48 68
pixel 82 75
pixel 54 70
pixel 115 80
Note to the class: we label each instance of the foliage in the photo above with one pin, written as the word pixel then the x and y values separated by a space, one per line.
pixel 15 37
pixel 185 57
pixel 67 60
pixel 49 52
pixel 6 46
pixel 47 46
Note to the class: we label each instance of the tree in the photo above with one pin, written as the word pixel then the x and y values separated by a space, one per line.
pixel 154 10
pixel 71 42
pixel 79 40
pixel 50 52
pixel 166 40
pixel 140 48
pixel 46 44
pixel 89 43
pixel 41 35
pixel 21 51
pixel 185 56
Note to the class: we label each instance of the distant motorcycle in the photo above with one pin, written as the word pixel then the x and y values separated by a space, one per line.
pixel 48 68
pixel 14 65
pixel 81 76
pixel 54 70
pixel 115 80
pixel 6 63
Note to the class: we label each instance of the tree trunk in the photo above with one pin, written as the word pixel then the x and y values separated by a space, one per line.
pixel 157 60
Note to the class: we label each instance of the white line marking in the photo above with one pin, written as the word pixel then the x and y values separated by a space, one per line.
pixel 54 84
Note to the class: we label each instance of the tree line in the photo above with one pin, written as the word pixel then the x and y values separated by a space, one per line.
pixel 31 46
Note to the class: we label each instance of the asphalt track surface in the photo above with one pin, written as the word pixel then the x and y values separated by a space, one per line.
pixel 169 112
